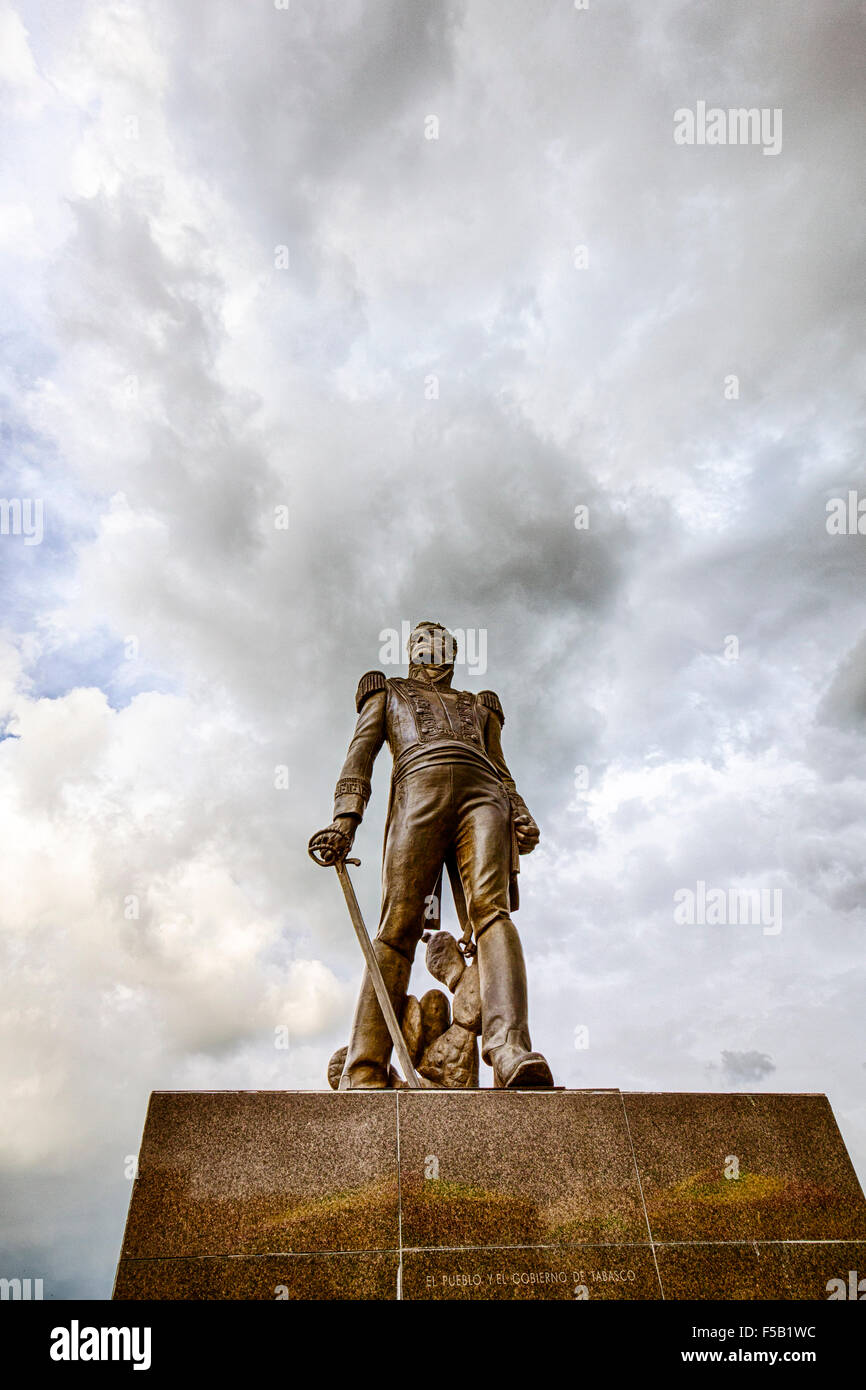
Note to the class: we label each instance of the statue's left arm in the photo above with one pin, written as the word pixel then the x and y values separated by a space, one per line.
pixel 525 827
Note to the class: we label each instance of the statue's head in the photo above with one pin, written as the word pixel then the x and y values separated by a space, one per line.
pixel 431 644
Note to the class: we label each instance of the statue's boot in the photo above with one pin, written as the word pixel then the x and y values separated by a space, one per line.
pixel 505 1042
pixel 367 1060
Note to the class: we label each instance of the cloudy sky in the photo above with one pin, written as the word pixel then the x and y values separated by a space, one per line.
pixel 328 258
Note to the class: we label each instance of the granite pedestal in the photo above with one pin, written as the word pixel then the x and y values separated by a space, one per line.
pixel 490 1194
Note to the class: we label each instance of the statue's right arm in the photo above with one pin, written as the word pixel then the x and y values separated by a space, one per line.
pixel 352 792
pixel 353 785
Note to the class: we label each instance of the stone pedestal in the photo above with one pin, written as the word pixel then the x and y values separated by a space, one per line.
pixel 490 1194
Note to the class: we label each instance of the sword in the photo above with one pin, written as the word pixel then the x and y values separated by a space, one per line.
pixel 373 967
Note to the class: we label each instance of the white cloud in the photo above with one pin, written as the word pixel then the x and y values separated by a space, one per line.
pixel 131 931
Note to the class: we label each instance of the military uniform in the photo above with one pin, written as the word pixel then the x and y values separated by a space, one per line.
pixel 452 803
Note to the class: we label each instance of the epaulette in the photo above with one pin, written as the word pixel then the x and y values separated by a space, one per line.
pixel 368 685
pixel 490 700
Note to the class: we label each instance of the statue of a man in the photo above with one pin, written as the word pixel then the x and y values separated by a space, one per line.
pixel 453 802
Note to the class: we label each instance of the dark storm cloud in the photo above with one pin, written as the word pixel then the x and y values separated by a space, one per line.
pixel 742 1067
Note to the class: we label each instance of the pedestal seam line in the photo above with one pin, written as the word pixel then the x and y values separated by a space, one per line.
pixel 399 1208
pixel 642 1198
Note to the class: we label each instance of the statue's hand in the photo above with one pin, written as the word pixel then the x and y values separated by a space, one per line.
pixel 332 844
pixel 527 832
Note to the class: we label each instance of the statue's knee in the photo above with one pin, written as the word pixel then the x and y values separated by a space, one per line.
pixel 486 919
pixel 400 937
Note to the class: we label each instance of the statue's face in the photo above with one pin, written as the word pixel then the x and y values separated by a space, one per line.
pixel 431 646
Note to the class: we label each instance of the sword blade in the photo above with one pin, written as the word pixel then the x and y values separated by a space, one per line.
pixel 379 985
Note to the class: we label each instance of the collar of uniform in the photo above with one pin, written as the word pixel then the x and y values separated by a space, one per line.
pixel 431 675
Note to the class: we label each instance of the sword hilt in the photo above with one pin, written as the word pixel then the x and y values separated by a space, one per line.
pixel 334 841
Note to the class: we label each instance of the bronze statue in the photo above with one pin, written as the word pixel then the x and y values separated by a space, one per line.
pixel 453 803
